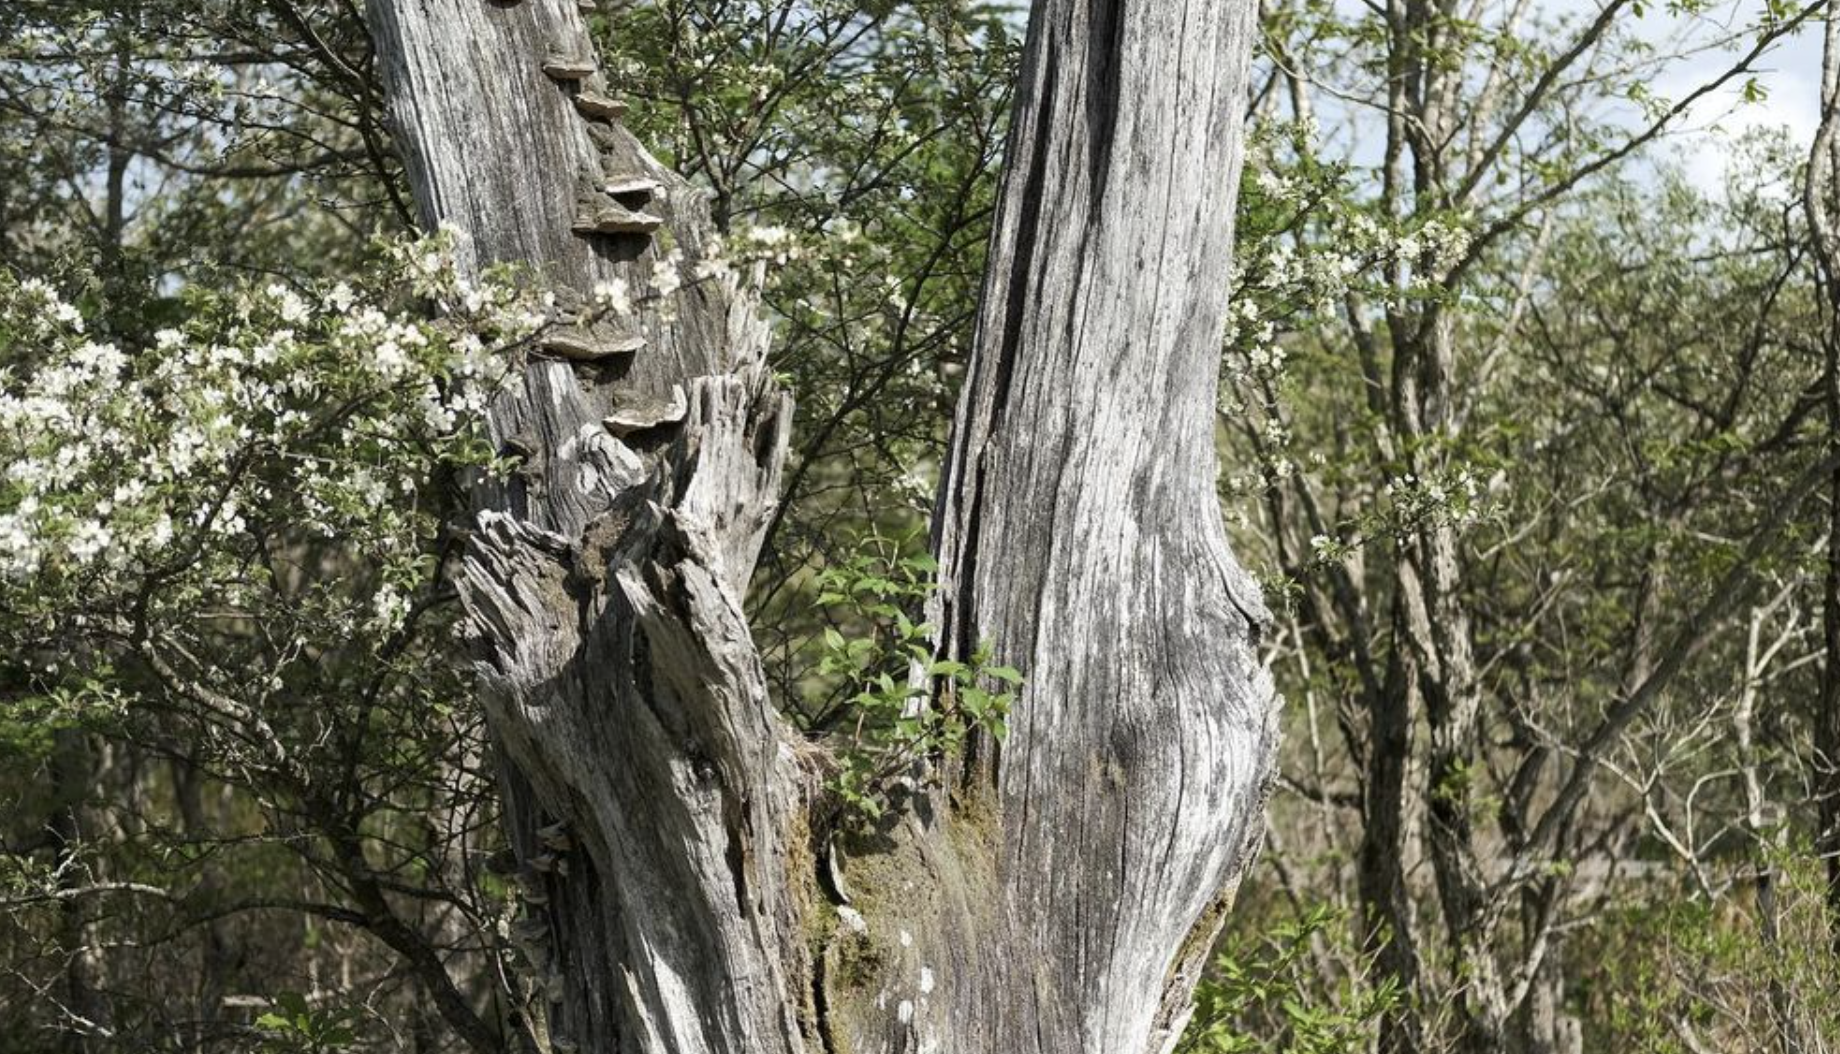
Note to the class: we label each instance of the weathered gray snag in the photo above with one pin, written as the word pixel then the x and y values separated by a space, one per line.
pixel 605 580
pixel 1054 896
pixel 1080 533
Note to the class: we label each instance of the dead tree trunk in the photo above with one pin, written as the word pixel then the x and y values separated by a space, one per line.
pixel 1055 895
pixel 1080 530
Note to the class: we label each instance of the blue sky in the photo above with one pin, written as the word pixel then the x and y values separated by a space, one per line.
pixel 1791 76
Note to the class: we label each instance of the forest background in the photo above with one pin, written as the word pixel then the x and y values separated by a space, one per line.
pixel 1562 757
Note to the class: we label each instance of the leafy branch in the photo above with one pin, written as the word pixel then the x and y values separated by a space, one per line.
pixel 903 704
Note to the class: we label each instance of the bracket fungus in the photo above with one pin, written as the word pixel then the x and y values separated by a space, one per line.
pixel 588 345
pixel 639 413
pixel 596 106
pixel 530 888
pixel 562 67
pixel 555 836
pixel 640 188
pixel 611 217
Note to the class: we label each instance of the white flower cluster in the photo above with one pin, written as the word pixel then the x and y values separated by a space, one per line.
pixel 1309 249
pixel 774 244
pixel 1314 244
pixel 269 413
pixel 1452 494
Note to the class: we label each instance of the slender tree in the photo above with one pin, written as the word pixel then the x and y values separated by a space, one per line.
pixel 1823 175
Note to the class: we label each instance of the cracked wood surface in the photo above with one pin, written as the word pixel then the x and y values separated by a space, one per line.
pixel 650 790
pixel 1057 895
pixel 1079 533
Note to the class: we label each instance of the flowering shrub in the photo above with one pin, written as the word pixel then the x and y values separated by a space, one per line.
pixel 270 468
pixel 1307 242
pixel 1310 255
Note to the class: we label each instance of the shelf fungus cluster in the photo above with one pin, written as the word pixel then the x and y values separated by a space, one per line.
pixel 616 204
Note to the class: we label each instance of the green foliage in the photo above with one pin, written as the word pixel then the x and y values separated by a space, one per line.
pixel 227 167
pixel 1751 971
pixel 899 704
pixel 293 1027
pixel 1264 995
pixel 29 723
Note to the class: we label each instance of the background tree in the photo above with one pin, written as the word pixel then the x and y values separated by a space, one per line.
pixel 1517 667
